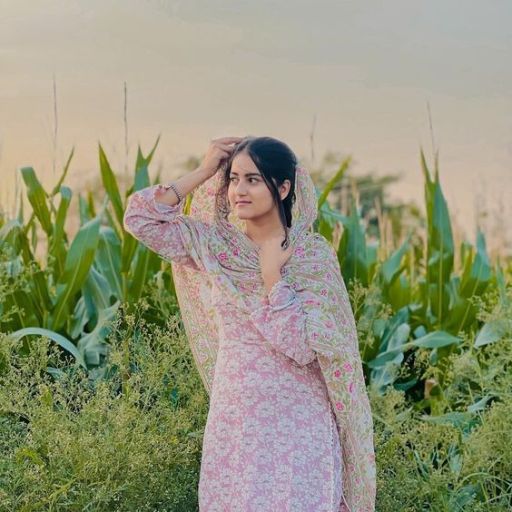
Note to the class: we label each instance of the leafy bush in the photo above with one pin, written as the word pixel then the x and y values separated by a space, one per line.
pixel 460 460
pixel 128 441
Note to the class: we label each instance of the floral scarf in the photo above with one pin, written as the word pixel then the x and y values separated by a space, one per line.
pixel 314 272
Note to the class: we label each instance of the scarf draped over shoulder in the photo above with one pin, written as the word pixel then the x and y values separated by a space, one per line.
pixel 313 274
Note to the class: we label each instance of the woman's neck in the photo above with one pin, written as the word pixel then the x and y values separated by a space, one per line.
pixel 258 232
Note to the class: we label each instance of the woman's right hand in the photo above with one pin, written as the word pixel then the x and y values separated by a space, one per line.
pixel 217 153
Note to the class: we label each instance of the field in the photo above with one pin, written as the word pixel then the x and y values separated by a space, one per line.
pixel 101 407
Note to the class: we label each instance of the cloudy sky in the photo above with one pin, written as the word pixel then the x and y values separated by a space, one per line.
pixel 359 75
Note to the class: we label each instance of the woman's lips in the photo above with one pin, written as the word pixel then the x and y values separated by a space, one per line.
pixel 244 203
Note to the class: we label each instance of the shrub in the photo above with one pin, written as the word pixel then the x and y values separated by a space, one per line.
pixel 130 440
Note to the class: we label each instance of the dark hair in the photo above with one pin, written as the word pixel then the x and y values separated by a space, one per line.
pixel 274 159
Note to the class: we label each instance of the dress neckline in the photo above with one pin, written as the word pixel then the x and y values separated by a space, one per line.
pixel 249 243
pixel 240 235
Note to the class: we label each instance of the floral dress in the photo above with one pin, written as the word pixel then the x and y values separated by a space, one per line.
pixel 270 441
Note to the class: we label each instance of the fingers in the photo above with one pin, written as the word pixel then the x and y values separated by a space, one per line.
pixel 226 140
pixel 225 147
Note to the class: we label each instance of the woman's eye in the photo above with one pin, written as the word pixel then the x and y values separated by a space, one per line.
pixel 250 179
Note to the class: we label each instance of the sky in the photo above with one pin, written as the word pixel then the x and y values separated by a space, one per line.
pixel 353 78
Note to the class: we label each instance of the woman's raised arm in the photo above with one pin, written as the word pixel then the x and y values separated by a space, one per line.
pixel 154 215
pixel 164 228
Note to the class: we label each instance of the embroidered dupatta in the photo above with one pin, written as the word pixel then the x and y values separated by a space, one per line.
pixel 314 273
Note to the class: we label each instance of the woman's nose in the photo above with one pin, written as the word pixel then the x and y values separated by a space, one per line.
pixel 240 188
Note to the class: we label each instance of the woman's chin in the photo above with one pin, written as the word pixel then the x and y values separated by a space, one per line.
pixel 240 212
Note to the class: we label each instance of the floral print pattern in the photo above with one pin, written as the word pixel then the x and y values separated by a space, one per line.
pixel 289 425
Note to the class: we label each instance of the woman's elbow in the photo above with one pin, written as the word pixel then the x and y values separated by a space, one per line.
pixel 131 216
pixel 129 222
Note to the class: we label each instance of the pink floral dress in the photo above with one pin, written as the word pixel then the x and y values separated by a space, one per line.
pixel 270 441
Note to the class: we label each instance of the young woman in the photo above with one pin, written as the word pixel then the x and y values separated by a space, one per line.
pixel 272 332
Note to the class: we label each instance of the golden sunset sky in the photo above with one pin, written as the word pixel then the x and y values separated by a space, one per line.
pixel 360 74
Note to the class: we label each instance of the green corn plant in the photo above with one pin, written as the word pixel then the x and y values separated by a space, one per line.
pixel 431 300
pixel 446 293
pixel 48 302
pixel 440 251
pixel 74 298
pixel 438 306
pixel 327 216
pixel 358 258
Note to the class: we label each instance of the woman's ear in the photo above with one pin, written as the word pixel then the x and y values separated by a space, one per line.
pixel 284 189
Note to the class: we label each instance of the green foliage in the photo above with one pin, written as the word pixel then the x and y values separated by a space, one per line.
pixel 74 293
pixel 130 441
pixel 457 461
pixel 102 409
pixel 434 466
pixel 432 304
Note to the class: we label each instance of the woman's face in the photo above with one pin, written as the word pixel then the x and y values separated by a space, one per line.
pixel 248 194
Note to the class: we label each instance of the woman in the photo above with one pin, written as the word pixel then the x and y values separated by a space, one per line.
pixel 271 329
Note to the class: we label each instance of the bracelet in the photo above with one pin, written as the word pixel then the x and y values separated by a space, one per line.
pixel 173 186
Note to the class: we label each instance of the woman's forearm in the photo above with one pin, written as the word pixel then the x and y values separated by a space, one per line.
pixel 185 184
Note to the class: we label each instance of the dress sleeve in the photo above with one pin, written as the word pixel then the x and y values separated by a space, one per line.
pixel 165 229
pixel 283 323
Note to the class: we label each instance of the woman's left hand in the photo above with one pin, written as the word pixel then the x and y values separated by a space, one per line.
pixel 272 256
